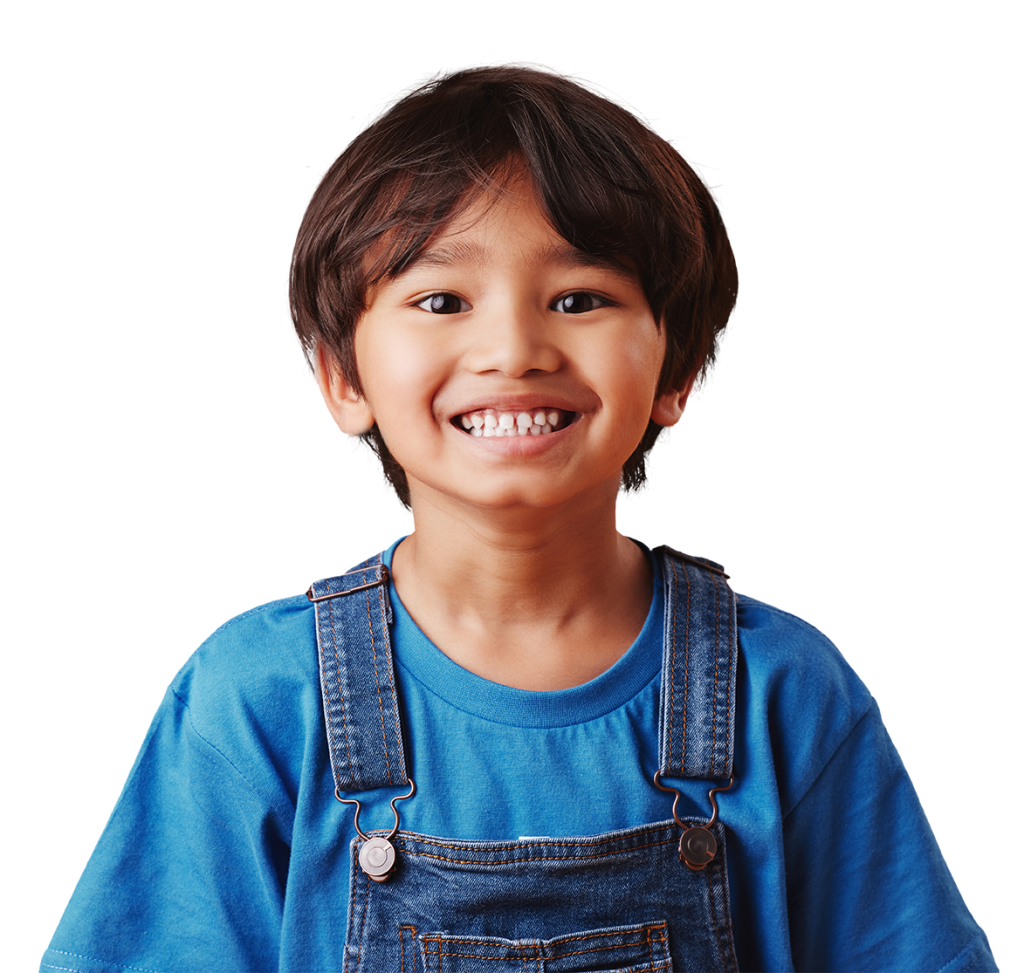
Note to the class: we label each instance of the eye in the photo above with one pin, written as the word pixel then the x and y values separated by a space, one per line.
pixel 443 304
pixel 579 302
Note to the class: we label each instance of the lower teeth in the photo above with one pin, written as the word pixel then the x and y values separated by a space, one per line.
pixel 491 432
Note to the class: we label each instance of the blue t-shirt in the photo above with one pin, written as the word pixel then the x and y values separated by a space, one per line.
pixel 227 850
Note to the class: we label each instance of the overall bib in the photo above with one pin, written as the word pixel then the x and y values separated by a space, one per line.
pixel 627 901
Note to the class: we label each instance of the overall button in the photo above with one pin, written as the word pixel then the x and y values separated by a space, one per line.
pixel 377 858
pixel 697 847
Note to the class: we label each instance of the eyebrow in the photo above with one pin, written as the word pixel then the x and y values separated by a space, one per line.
pixel 454 252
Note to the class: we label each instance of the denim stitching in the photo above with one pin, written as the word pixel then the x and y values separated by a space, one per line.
pixel 440 940
pixel 672 680
pixel 731 602
pixel 540 960
pixel 357 933
pixel 376 678
pixel 567 939
pixel 401 943
pixel 542 858
pixel 720 935
pixel 341 694
pixel 686 671
pixel 714 707
pixel 579 952
pixel 662 941
pixel 553 843
pixel 391 674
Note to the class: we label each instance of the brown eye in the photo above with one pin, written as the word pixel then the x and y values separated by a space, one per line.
pixel 442 304
pixel 578 302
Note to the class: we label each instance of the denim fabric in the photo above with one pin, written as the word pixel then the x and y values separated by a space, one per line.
pixel 620 901
pixel 476 906
pixel 698 704
pixel 357 678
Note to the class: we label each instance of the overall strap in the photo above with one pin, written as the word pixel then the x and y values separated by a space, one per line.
pixel 357 678
pixel 698 674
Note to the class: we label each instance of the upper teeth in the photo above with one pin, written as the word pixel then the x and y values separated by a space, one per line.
pixel 488 422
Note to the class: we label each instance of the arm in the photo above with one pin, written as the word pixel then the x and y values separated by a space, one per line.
pixel 866 884
pixel 189 873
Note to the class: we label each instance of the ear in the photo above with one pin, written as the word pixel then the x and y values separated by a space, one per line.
pixel 350 410
pixel 668 407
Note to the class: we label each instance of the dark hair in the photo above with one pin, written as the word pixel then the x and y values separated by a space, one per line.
pixel 607 183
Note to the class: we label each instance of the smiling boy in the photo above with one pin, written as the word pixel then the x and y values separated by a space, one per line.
pixel 500 329
pixel 508 286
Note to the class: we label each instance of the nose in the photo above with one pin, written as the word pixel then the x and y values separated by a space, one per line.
pixel 514 339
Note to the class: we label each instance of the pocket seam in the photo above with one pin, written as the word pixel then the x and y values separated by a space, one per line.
pixel 638 936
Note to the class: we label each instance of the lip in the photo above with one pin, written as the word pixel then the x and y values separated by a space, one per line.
pixel 517 445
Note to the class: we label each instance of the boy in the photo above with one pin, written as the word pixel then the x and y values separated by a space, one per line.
pixel 605 759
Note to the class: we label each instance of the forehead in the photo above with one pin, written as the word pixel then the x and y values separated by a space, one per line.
pixel 452 252
pixel 508 226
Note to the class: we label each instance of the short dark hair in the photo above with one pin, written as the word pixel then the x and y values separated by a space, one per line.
pixel 608 184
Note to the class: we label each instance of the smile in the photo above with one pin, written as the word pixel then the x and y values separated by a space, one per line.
pixel 533 422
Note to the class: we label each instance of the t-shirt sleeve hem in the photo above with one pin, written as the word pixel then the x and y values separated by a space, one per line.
pixel 67 962
pixel 975 957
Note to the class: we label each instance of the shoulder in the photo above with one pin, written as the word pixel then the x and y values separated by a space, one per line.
pixel 782 649
pixel 251 690
pixel 800 698
pixel 266 643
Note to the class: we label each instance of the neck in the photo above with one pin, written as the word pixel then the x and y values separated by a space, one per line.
pixel 539 599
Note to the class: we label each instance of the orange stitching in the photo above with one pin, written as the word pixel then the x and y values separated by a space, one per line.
pixel 560 939
pixel 728 686
pixel 714 916
pixel 391 668
pixel 672 680
pixel 579 952
pixel 523 959
pixel 686 673
pixel 408 836
pixel 351 925
pixel 376 679
pixel 714 709
pixel 545 858
pixel 727 931
pixel 401 943
pixel 341 692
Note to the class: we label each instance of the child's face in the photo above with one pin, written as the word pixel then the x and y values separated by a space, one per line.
pixel 501 321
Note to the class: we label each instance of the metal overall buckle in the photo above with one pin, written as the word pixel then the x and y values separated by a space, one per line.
pixel 377 856
pixel 697 846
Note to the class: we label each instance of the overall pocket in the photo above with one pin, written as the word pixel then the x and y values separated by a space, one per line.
pixel 625 949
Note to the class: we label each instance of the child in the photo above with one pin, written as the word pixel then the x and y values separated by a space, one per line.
pixel 516 740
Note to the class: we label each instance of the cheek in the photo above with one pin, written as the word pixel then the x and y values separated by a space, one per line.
pixel 636 369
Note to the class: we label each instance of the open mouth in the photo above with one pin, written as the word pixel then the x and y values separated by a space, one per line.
pixel 532 422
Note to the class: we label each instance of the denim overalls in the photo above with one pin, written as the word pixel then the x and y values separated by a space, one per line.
pixel 647 898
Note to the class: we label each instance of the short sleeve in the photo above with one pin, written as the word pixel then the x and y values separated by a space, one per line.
pixel 189 874
pixel 867 887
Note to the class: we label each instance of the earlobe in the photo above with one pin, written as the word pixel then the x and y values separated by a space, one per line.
pixel 349 409
pixel 668 407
